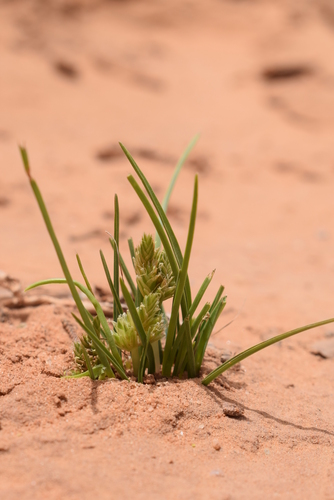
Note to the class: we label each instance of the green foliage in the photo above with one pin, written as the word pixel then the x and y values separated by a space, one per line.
pixel 79 356
pixel 142 328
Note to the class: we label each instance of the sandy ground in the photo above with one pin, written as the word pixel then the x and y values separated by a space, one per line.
pixel 256 79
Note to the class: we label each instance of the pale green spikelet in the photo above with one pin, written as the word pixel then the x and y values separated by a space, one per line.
pixel 153 320
pixel 153 270
pixel 167 285
pixel 145 251
pixel 125 333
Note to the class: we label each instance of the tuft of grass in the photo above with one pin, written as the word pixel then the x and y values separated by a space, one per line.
pixel 176 345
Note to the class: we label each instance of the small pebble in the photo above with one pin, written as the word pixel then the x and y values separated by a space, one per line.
pixel 233 411
pixel 149 379
pixel 216 446
pixel 225 355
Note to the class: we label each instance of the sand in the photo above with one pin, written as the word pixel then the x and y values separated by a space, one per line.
pixel 256 80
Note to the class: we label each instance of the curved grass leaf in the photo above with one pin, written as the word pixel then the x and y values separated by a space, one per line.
pixel 175 175
pixel 125 269
pixel 199 318
pixel 200 293
pixel 102 352
pixel 163 218
pixel 147 349
pixel 97 307
pixel 84 274
pixel 97 371
pixel 258 347
pixel 60 255
pixel 157 224
pixel 206 331
pixel 177 170
pixel 88 363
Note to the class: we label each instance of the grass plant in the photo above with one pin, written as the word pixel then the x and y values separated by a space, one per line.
pixel 156 343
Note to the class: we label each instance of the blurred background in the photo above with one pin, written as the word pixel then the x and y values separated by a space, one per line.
pixel 254 78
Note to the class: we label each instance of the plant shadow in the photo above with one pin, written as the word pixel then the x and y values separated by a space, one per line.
pixel 219 398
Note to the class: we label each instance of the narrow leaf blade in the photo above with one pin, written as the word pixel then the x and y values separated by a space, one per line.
pixel 258 347
pixel 180 286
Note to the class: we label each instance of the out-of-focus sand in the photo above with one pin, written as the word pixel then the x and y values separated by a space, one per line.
pixel 256 79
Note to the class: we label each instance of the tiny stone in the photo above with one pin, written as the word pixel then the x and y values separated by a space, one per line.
pixel 225 355
pixel 216 446
pixel 149 379
pixel 233 411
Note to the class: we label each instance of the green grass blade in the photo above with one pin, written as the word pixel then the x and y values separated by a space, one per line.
pixel 97 307
pixel 178 339
pixel 131 248
pixel 25 159
pixel 101 349
pixel 103 353
pixel 84 274
pixel 199 318
pixel 88 363
pixel 206 332
pixel 140 329
pixel 142 363
pixel 138 296
pixel 200 293
pixel 157 224
pixel 179 350
pixel 134 314
pixel 61 258
pixel 163 218
pixel 258 347
pixel 96 371
pixel 112 287
pixel 217 298
pixel 177 170
pixel 117 310
pixel 125 270
pixel 190 350
pixel 213 305
pixel 175 175
pixel 167 362
pixel 150 359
